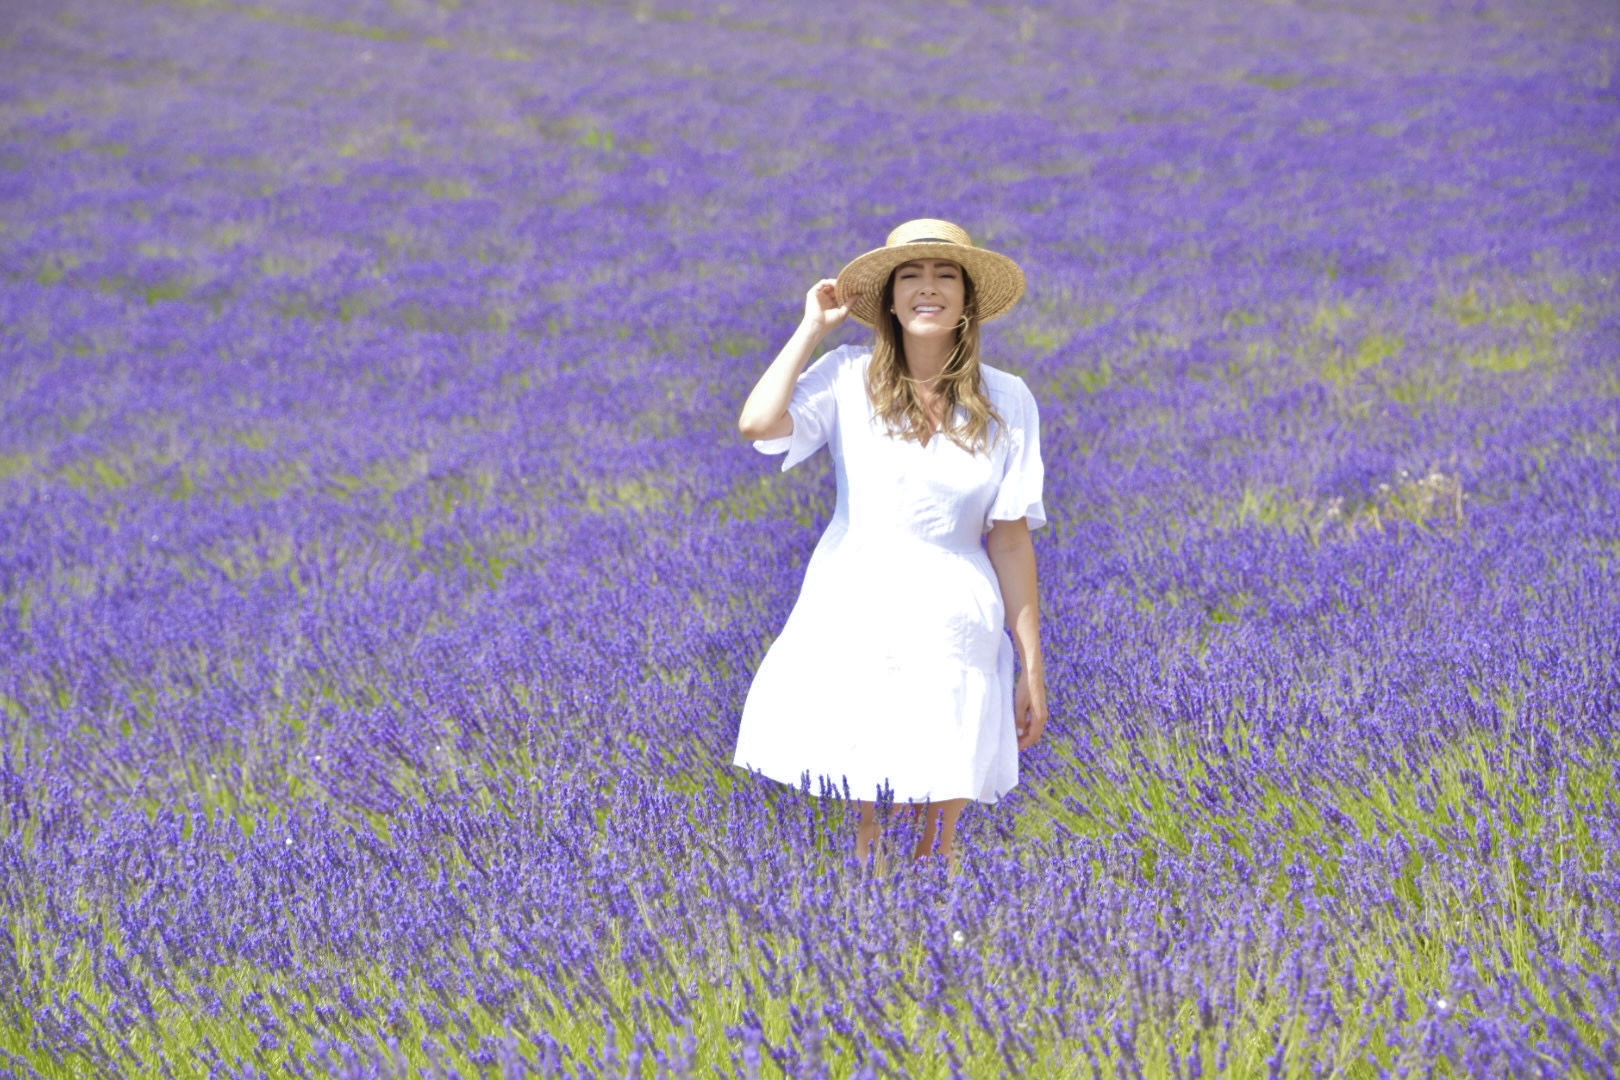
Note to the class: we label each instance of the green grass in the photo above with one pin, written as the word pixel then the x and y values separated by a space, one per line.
pixel 1469 308
pixel 1514 358
pixel 267 13
pixel 741 344
pixel 453 190
pixel 1044 340
pixel 772 496
pixel 628 493
pixel 1423 388
pixel 1275 82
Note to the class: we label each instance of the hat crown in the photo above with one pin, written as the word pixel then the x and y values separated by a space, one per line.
pixel 928 229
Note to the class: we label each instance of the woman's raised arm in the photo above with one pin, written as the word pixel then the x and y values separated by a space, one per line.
pixel 765 413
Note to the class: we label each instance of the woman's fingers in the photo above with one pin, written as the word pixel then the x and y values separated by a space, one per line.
pixel 1035 727
pixel 821 303
pixel 1029 735
pixel 1028 714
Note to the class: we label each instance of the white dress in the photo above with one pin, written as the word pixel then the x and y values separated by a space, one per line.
pixel 894 669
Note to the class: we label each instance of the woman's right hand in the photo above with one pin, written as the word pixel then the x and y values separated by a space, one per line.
pixel 765 413
pixel 822 311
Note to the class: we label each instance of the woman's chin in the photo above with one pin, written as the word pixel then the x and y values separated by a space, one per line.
pixel 928 328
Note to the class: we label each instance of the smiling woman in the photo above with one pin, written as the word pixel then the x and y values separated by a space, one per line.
pixel 893 677
pixel 927 298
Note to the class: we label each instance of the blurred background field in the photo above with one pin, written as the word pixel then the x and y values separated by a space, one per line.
pixel 381 574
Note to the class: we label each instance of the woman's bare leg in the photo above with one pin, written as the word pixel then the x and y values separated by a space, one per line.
pixel 925 842
pixel 869 830
pixel 950 814
pixel 950 811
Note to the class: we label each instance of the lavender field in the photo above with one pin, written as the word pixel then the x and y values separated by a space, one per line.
pixel 381 573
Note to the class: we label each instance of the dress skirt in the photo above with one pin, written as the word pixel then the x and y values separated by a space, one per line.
pixel 893 674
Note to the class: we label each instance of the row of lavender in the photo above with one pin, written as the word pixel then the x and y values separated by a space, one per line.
pixel 382 575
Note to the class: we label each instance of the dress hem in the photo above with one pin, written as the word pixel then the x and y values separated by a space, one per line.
pixel 837 791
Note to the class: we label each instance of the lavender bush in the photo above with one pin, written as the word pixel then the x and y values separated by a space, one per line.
pixel 382 574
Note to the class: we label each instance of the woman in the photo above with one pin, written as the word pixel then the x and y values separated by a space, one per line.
pixel 893 675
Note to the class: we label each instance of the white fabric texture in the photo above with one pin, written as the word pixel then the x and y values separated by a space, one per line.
pixel 894 669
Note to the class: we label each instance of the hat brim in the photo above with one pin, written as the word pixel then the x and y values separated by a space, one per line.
pixel 998 282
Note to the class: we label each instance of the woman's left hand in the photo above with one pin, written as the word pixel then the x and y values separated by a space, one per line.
pixel 1029 709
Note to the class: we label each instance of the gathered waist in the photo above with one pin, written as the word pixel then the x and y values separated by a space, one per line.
pixel 901 543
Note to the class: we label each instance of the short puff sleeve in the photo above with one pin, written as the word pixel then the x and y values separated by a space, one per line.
pixel 814 409
pixel 1019 493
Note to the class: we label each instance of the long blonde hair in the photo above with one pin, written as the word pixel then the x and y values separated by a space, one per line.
pixel 894 392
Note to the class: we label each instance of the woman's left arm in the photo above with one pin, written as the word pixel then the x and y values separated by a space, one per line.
pixel 1012 553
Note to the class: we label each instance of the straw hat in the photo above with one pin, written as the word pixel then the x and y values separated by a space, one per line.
pixel 997 280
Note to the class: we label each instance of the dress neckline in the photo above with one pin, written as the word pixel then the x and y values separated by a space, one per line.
pixel 956 411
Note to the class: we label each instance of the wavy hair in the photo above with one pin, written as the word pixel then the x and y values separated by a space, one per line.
pixel 894 392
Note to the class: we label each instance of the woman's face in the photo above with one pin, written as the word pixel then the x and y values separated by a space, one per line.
pixel 928 297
